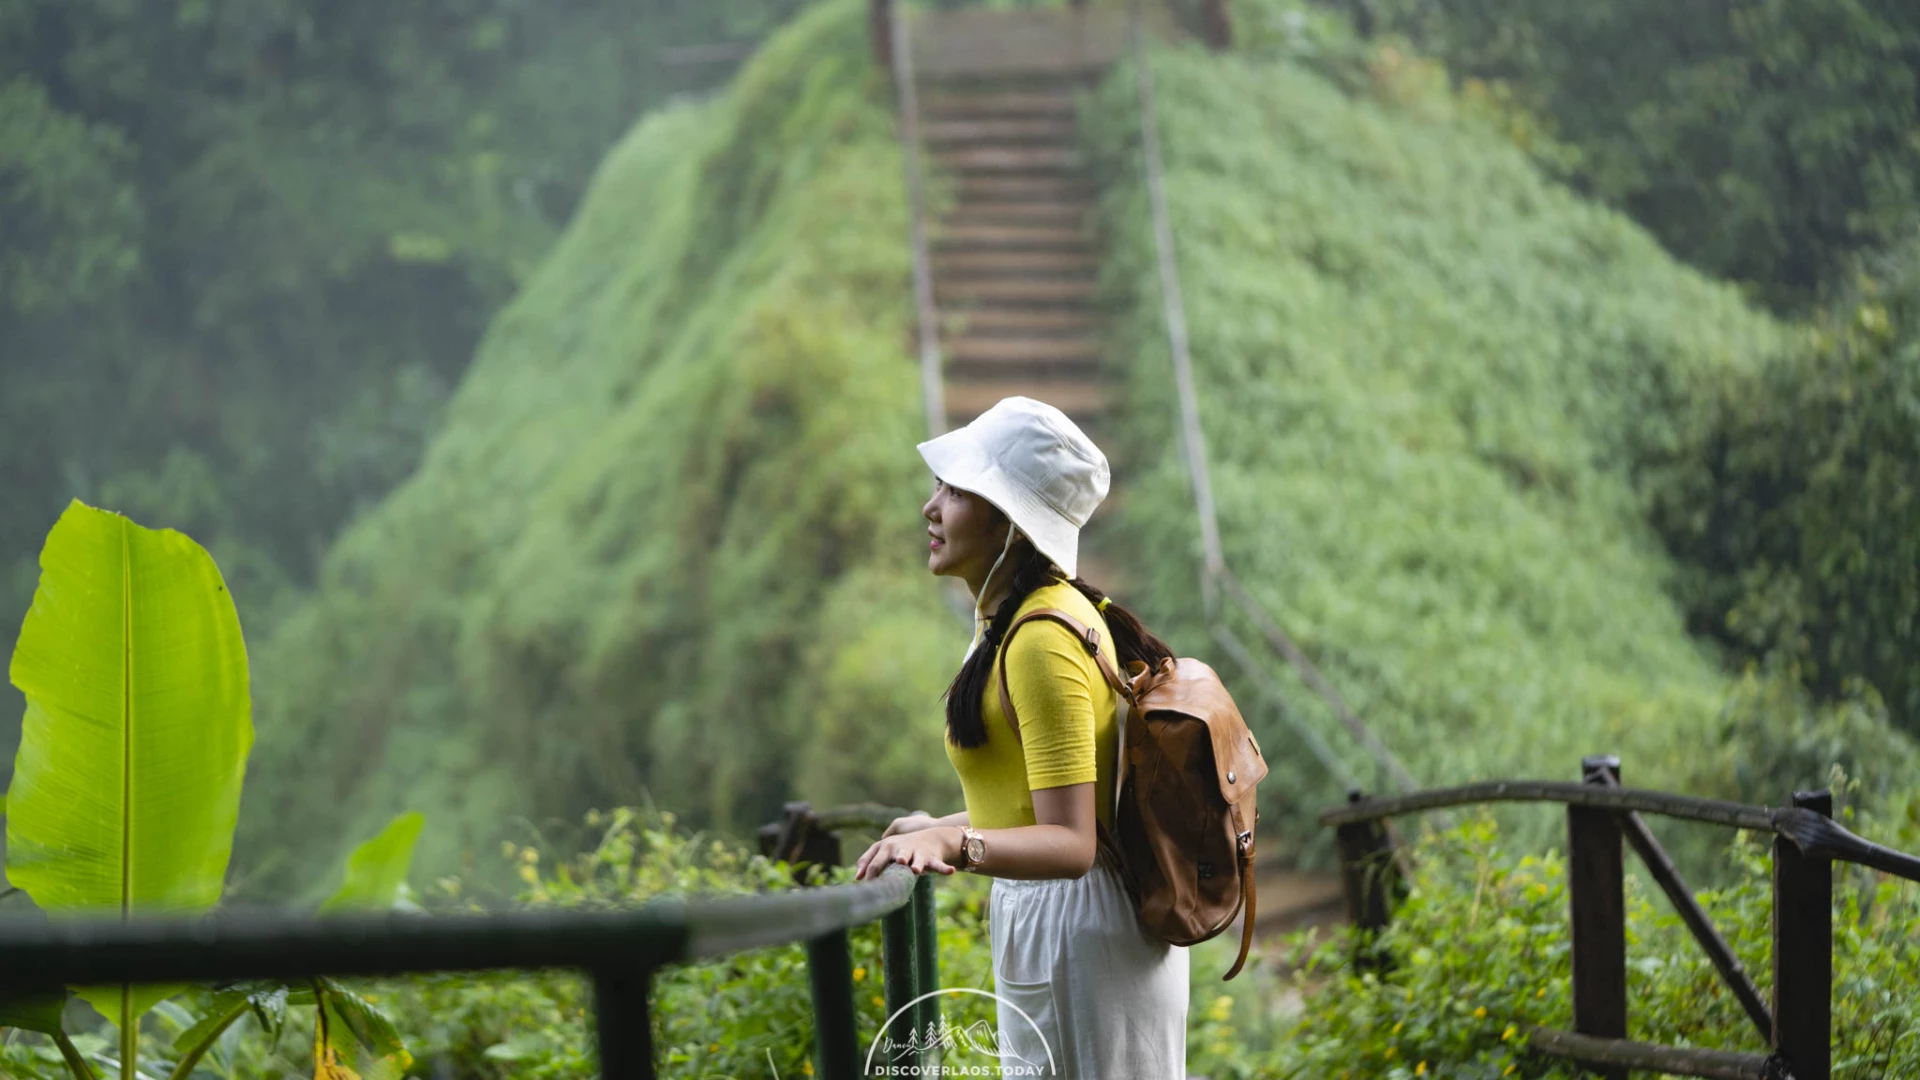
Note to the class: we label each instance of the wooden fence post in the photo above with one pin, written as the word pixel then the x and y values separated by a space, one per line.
pixel 1803 951
pixel 1216 24
pixel 799 840
pixel 880 30
pixel 1369 875
pixel 1596 890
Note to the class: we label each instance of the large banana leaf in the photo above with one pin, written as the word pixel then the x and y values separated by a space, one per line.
pixel 377 868
pixel 126 788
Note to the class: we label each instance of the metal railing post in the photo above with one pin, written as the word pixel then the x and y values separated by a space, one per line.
pixel 1596 890
pixel 927 971
pixel 1803 951
pixel 899 952
pixel 624 1023
pixel 830 971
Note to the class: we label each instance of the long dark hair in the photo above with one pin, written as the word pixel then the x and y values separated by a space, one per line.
pixel 966 724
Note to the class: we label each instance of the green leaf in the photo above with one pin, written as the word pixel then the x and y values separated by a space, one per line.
pixel 227 1005
pixel 377 868
pixel 126 788
pixel 265 997
pixel 360 1041
pixel 34 1012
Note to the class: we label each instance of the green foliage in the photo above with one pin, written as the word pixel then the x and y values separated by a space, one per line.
pixel 749 1014
pixel 249 248
pixel 137 730
pixel 1795 506
pixel 1427 374
pixel 128 783
pixel 377 870
pixel 1761 141
pixel 645 551
pixel 1481 954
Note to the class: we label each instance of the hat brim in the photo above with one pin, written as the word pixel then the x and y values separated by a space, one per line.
pixel 959 459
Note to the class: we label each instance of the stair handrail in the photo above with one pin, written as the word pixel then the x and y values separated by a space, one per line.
pixel 1214 574
pixel 899 48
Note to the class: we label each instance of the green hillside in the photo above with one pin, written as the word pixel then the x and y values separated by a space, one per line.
pixel 667 541
pixel 1434 384
pixel 666 544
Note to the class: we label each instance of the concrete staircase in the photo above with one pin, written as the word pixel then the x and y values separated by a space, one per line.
pixel 1014 262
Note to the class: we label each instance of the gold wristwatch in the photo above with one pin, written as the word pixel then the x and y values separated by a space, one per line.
pixel 973 847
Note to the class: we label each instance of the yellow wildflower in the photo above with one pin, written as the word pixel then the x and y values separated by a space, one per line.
pixel 1508 1034
pixel 1508 1071
pixel 880 1001
pixel 1398 1026
pixel 1480 1013
pixel 1422 1070
pixel 807 1066
pixel 859 973
pixel 1540 993
pixel 1390 1051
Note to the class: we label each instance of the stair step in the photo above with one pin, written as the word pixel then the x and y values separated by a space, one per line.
pixel 981 187
pixel 990 351
pixel 1062 213
pixel 970 237
pixel 999 159
pixel 1033 323
pixel 955 103
pixel 1000 131
pixel 1083 400
pixel 1012 264
pixel 1047 293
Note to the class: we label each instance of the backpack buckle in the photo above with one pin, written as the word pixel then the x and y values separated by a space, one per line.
pixel 1092 641
pixel 1244 840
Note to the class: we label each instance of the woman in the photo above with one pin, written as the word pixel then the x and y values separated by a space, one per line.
pixel 1071 964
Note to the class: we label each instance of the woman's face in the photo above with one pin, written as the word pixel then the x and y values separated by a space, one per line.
pixel 965 533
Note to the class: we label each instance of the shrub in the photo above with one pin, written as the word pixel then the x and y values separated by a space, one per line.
pixel 1482 954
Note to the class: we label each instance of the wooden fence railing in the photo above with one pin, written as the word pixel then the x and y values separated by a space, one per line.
pixel 619 951
pixel 1797 1023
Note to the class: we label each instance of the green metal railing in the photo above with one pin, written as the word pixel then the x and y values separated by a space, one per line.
pixel 619 951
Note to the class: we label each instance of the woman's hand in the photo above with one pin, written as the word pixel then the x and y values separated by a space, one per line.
pixel 925 848
pixel 913 822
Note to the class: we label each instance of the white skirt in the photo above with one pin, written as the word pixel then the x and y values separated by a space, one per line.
pixel 1085 993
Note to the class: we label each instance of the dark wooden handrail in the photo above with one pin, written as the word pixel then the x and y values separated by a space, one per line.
pixel 1685 1061
pixel 1600 815
pixel 1814 834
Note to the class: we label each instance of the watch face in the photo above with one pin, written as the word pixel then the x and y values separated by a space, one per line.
pixel 976 849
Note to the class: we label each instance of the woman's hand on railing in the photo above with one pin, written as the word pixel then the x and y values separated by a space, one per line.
pixel 919 848
pixel 913 822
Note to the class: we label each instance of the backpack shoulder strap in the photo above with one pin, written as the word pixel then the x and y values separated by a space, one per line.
pixel 1088 636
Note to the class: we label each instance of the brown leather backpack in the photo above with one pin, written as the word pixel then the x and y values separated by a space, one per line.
pixel 1184 794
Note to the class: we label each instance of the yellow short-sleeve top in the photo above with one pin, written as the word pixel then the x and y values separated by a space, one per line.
pixel 1068 722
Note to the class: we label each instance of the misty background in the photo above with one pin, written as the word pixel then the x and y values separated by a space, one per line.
pixel 249 251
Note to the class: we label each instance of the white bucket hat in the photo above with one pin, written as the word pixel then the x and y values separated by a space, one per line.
pixel 1034 465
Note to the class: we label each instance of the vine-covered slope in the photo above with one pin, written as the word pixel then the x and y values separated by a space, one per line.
pixel 1434 386
pixel 667 543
